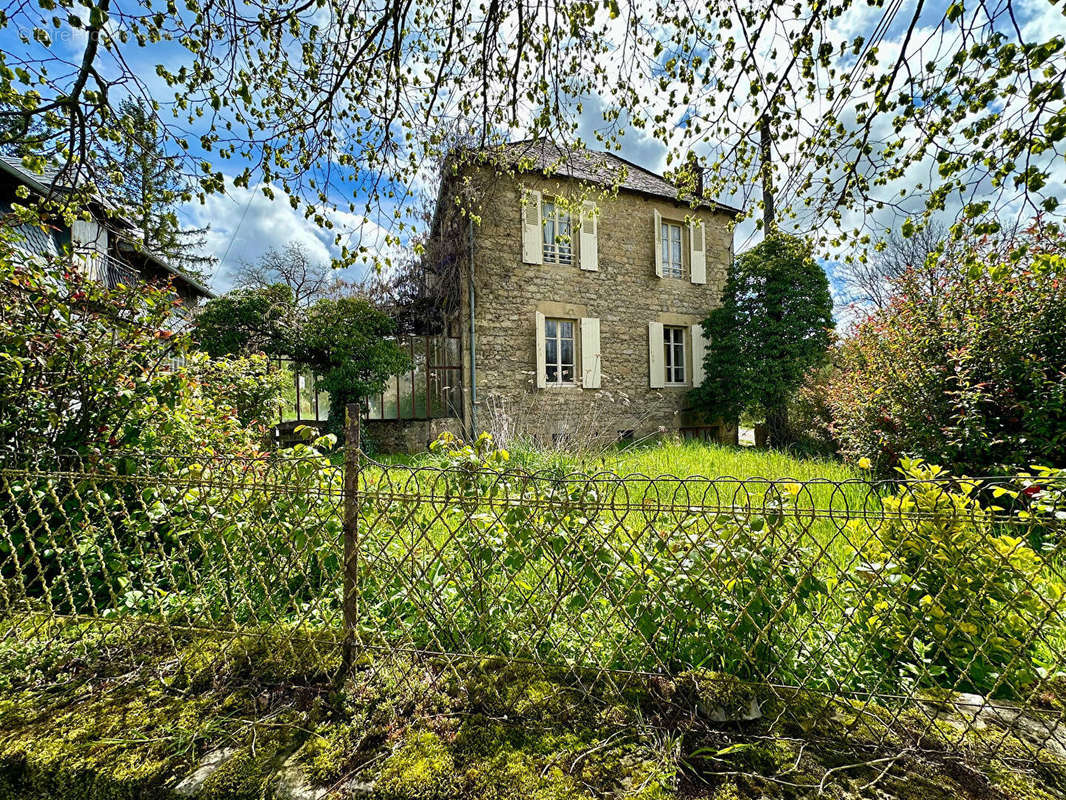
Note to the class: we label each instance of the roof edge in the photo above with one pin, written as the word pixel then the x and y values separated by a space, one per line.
pixel 34 182
pixel 713 204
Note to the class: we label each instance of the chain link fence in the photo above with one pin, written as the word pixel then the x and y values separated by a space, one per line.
pixel 924 613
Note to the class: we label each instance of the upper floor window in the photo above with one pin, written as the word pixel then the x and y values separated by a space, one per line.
pixel 558 244
pixel 674 343
pixel 670 242
pixel 559 351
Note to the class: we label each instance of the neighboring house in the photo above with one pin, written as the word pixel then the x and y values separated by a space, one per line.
pixel 105 245
pixel 585 321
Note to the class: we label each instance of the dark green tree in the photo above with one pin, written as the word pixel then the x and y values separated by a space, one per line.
pixel 345 341
pixel 246 321
pixel 150 186
pixel 773 325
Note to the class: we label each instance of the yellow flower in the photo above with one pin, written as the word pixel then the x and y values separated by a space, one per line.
pixel 864 463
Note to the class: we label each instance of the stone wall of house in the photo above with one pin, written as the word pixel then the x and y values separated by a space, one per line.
pixel 406 435
pixel 625 295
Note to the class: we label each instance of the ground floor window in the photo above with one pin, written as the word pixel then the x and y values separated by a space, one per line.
pixel 674 342
pixel 559 351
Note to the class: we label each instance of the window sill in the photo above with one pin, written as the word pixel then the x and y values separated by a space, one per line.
pixel 676 386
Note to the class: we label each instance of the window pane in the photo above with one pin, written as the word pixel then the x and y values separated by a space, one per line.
pixel 406 396
pixel 445 392
pixel 454 390
pixel 564 237
pixel 566 330
pixel 567 347
pixel 323 405
pixel 550 328
pixel 390 410
pixel 568 374
pixel 552 372
pixel 374 411
pixel 452 348
pixel 418 392
pixel 550 351
pixel 674 345
pixel 548 227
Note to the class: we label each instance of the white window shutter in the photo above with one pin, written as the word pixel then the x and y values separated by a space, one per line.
pixel 588 246
pixel 532 232
pixel 699 352
pixel 590 352
pixel 542 369
pixel 88 241
pixel 656 356
pixel 697 237
pixel 657 246
pixel 84 233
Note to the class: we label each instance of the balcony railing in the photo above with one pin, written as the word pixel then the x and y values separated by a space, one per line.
pixel 111 272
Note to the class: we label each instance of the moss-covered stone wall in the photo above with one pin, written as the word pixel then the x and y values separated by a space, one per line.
pixel 87 713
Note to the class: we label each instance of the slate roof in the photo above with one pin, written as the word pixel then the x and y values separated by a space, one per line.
pixel 595 167
pixel 32 239
pixel 49 180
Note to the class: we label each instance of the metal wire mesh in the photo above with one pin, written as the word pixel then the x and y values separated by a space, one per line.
pixel 912 613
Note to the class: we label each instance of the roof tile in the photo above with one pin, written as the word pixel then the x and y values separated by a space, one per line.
pixel 594 167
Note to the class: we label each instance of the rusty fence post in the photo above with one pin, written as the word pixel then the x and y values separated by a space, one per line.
pixel 352 463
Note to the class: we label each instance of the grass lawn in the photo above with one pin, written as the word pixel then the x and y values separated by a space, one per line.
pixel 674 470
pixel 671 457
pixel 675 458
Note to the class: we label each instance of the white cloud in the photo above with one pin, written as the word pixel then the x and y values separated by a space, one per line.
pixel 245 223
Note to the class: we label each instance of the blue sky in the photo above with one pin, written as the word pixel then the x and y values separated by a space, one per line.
pixel 244 223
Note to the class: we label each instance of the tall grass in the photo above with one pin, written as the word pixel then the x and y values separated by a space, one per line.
pixel 672 457
pixel 688 458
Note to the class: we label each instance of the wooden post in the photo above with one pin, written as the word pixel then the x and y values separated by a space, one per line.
pixel 352 456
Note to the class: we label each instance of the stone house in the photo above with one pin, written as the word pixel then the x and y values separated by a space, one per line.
pixel 579 287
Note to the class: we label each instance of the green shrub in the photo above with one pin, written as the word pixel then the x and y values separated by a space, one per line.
pixel 247 321
pixel 86 370
pixel 772 326
pixel 952 601
pixel 348 343
pixel 92 374
pixel 966 366
pixel 246 385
